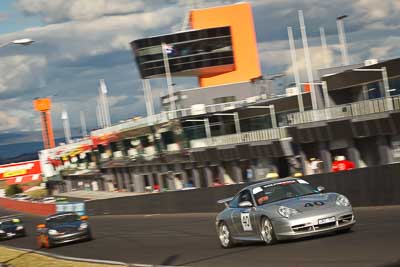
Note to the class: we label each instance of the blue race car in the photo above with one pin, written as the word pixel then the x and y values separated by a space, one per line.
pixel 10 227
pixel 63 228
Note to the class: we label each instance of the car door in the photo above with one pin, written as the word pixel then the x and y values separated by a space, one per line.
pixel 243 217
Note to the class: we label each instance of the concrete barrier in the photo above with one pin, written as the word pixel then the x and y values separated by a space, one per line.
pixel 371 186
pixel 42 209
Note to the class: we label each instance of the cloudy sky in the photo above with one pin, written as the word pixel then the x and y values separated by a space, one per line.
pixel 79 42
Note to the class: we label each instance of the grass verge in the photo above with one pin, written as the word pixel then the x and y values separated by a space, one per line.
pixel 18 258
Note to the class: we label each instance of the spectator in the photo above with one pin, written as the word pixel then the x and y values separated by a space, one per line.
pixel 249 173
pixel 316 165
pixel 341 164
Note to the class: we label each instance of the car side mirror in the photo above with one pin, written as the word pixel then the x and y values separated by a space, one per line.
pixel 84 218
pixel 41 226
pixel 320 189
pixel 245 204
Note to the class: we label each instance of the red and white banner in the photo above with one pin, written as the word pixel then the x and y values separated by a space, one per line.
pixel 21 169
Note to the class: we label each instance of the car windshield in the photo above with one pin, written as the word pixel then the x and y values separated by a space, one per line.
pixel 5 224
pixel 61 219
pixel 273 192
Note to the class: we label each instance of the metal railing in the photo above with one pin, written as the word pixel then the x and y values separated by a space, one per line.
pixel 361 108
pixel 231 139
pixel 168 115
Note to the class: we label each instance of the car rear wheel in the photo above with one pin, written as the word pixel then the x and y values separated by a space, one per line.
pixel 267 231
pixel 225 236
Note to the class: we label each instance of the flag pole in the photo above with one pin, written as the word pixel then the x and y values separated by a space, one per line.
pixel 168 77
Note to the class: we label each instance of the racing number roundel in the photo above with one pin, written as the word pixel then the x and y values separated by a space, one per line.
pixel 246 223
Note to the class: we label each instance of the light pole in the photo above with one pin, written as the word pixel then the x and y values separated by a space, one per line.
pixel 206 125
pixel 235 117
pixel 385 80
pixel 295 69
pixel 324 46
pixel 271 111
pixel 307 57
pixel 24 42
pixel 148 98
pixel 66 126
pixel 342 39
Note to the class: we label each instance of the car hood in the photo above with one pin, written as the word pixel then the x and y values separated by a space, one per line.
pixel 309 202
pixel 9 229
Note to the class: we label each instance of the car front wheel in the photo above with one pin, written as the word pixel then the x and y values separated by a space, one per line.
pixel 267 231
pixel 225 236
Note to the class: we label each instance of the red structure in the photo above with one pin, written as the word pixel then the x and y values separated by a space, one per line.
pixel 43 105
pixel 21 172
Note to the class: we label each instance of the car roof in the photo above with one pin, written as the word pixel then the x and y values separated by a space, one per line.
pixel 266 182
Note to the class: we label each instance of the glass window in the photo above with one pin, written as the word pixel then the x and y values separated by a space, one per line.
pixel 61 219
pixel 224 99
pixel 282 190
pixel 373 90
pixel 245 196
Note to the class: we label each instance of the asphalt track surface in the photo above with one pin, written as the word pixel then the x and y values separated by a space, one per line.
pixel 190 240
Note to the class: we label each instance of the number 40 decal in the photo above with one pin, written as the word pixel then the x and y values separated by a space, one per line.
pixel 246 223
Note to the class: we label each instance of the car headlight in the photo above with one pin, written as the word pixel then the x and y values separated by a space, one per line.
pixel 20 228
pixel 287 212
pixel 2 232
pixel 83 226
pixel 342 201
pixel 53 232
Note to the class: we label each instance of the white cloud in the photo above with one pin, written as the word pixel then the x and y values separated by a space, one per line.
pixel 8 122
pixel 60 10
pixel 75 39
pixel 20 72
pixel 377 10
pixel 15 115
pixel 65 58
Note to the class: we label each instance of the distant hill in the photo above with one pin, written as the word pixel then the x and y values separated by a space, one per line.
pixel 20 158
pixel 23 146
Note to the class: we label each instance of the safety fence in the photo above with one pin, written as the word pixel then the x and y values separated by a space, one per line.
pixel 253 136
pixel 355 109
pixel 372 186
pixel 43 209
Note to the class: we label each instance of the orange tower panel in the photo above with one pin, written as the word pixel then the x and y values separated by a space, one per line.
pixel 42 104
pixel 240 18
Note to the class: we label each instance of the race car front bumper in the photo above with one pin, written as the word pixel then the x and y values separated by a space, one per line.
pixel 328 221
pixel 70 237
pixel 13 234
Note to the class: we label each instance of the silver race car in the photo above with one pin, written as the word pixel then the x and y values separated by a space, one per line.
pixel 282 209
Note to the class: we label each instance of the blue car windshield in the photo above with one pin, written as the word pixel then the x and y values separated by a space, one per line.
pixel 62 219
pixel 273 192
pixel 5 224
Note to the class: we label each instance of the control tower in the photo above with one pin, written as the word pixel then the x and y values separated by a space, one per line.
pixel 43 105
pixel 220 48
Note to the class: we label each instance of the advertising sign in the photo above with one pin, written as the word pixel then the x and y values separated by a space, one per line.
pixel 20 169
